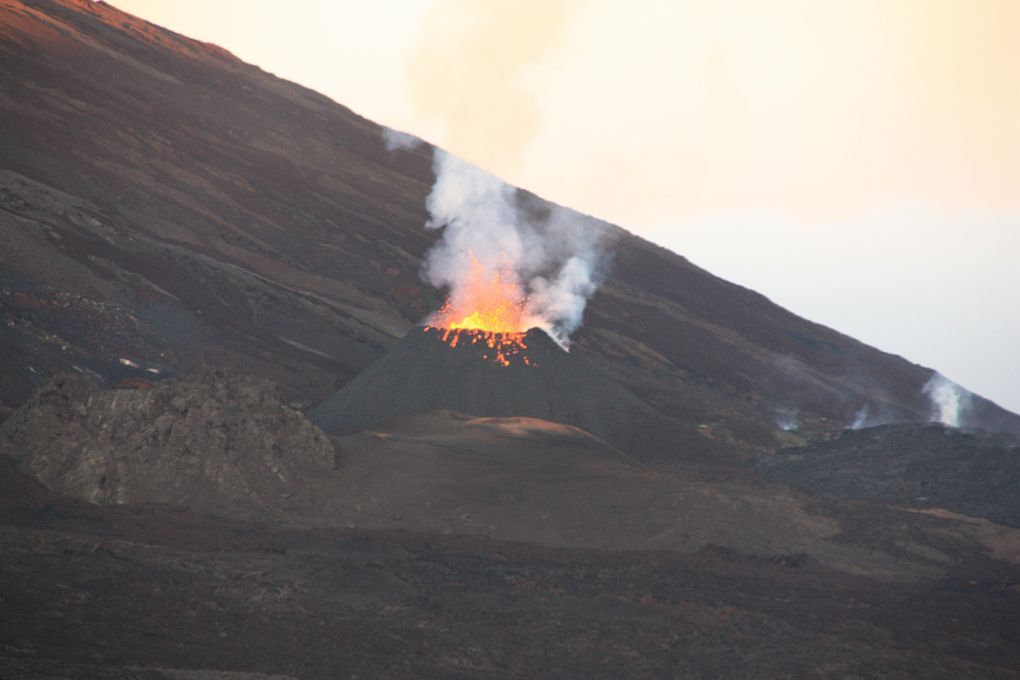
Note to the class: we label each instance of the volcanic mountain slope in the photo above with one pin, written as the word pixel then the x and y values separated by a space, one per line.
pixel 167 209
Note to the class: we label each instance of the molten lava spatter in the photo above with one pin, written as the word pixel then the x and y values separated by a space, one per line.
pixel 487 299
pixel 486 309
pixel 505 349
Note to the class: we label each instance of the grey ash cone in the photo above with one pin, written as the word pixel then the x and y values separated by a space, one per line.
pixel 424 373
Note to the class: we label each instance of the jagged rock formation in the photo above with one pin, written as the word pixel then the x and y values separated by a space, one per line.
pixel 216 443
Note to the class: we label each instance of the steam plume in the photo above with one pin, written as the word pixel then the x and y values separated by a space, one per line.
pixel 552 262
pixel 786 419
pixel 472 74
pixel 395 140
pixel 861 418
pixel 948 400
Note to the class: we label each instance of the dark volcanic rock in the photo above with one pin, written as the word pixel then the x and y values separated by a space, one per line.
pixel 425 373
pixel 971 473
pixel 214 442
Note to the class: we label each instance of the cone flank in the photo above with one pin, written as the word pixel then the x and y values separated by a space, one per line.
pixel 436 368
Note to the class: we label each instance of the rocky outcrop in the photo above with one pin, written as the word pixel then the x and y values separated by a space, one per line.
pixel 214 442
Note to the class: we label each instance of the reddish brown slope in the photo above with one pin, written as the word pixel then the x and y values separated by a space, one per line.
pixel 163 203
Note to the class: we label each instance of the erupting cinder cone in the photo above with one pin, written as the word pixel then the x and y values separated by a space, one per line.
pixel 431 369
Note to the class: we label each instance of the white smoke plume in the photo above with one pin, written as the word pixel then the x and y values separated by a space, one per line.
pixel 949 401
pixel 786 420
pixel 395 140
pixel 874 414
pixel 553 260
pixel 861 418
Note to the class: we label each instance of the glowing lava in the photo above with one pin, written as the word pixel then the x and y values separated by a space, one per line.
pixel 486 309
pixel 504 349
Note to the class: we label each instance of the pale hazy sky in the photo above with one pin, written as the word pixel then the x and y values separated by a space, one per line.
pixel 857 161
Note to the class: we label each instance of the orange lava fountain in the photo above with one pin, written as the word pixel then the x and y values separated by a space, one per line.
pixel 487 308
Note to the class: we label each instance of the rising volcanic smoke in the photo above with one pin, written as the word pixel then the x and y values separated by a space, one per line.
pixel 948 400
pixel 506 273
